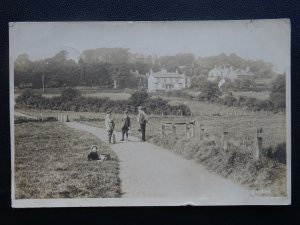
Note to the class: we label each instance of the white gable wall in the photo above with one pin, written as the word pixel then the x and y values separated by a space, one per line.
pixel 165 83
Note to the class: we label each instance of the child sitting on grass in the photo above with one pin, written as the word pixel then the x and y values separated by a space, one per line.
pixel 93 155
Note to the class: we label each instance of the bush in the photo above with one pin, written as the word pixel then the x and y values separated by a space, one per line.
pixel 229 100
pixel 277 153
pixel 70 94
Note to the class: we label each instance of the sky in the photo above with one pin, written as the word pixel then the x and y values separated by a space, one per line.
pixel 268 40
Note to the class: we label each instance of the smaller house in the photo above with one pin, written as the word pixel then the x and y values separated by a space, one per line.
pixel 229 72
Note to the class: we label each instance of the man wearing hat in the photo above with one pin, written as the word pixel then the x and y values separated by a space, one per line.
pixel 125 125
pixel 142 120
pixel 109 125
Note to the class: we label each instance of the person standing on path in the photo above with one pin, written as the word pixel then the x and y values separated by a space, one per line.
pixel 142 120
pixel 109 125
pixel 125 125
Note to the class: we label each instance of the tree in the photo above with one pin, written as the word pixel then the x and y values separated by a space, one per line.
pixel 277 96
pixel 209 91
pixel 138 98
pixel 278 85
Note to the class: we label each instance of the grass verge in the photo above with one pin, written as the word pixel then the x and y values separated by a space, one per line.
pixel 51 162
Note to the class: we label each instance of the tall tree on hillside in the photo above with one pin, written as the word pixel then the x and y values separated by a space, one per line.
pixel 278 89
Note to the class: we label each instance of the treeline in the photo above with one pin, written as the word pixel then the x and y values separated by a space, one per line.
pixel 71 100
pixel 106 67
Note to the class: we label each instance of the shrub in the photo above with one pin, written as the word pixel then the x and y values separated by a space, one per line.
pixel 277 153
pixel 70 94
pixel 229 100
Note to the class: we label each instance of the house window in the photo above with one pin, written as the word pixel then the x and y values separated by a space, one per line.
pixel 165 79
pixel 177 80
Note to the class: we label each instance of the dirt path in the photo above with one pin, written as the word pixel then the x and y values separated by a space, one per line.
pixel 150 171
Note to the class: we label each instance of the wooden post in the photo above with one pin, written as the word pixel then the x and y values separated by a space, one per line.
pixel 162 130
pixel 67 120
pixel 193 131
pixel 201 133
pixel 258 147
pixel 186 131
pixel 225 140
pixel 42 117
pixel 174 129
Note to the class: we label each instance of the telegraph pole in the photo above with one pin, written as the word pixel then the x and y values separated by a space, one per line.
pixel 43 80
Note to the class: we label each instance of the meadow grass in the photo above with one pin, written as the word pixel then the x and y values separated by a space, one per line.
pixel 112 94
pixel 51 162
pixel 251 94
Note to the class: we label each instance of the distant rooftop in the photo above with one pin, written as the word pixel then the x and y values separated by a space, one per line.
pixel 164 73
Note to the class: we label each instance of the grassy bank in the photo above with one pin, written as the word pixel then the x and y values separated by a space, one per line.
pixel 51 162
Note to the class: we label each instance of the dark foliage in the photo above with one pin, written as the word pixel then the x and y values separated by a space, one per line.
pixel 70 100
pixel 277 153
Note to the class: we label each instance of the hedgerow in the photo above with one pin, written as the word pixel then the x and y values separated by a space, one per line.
pixel 71 101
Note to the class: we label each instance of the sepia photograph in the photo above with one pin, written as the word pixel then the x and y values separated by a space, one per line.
pixel 164 113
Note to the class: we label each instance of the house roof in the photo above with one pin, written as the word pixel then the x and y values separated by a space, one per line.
pixel 163 74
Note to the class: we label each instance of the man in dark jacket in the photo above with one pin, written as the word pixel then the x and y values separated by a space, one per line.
pixel 142 120
pixel 125 125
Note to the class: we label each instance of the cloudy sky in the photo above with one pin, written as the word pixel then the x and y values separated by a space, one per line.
pixel 268 40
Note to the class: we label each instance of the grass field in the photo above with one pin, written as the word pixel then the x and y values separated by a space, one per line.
pixel 251 94
pixel 113 94
pixel 51 162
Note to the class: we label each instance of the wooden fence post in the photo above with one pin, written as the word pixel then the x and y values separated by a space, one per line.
pixel 193 131
pixel 174 129
pixel 258 147
pixel 186 131
pixel 162 130
pixel 42 117
pixel 201 133
pixel 225 139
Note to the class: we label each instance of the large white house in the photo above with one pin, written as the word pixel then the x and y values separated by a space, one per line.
pixel 165 81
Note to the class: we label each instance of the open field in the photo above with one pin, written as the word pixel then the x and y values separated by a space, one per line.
pixel 241 128
pixel 111 95
pixel 199 108
pixel 51 162
pixel 251 94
